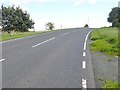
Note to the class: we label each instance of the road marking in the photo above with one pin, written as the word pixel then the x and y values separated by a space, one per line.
pixel 2 60
pixel 85 45
pixel 84 64
pixel 64 34
pixel 84 54
pixel 43 42
pixel 87 36
pixel 84 83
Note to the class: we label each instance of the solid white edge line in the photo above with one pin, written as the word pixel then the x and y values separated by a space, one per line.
pixel 87 36
pixel 43 42
pixel 84 83
pixel 2 60
pixel 85 45
pixel 84 54
pixel 84 64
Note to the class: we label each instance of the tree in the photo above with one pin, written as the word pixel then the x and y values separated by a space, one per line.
pixel 86 25
pixel 50 26
pixel 14 18
pixel 114 17
pixel 0 19
pixel 0 16
pixel 6 18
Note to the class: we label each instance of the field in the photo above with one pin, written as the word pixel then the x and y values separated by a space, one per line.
pixel 5 36
pixel 105 40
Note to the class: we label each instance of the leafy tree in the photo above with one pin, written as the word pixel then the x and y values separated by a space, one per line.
pixel 5 18
pixel 119 17
pixel 0 17
pixel 50 26
pixel 114 17
pixel 86 25
pixel 14 18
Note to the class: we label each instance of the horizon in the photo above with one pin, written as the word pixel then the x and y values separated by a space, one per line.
pixel 69 13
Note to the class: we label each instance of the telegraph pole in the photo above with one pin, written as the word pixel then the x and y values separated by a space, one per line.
pixel 88 21
pixel 61 26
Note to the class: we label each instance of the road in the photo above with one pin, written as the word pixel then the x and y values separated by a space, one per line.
pixel 59 59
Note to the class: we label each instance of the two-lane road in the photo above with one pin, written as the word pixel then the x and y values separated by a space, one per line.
pixel 58 59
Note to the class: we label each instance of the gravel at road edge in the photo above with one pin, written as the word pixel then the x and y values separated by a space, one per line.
pixel 104 67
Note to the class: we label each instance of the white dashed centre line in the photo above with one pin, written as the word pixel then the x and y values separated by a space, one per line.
pixel 84 83
pixel 2 60
pixel 84 54
pixel 43 42
pixel 84 64
pixel 64 34
pixel 87 36
pixel 85 45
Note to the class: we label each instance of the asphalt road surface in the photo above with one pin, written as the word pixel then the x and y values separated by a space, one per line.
pixel 59 59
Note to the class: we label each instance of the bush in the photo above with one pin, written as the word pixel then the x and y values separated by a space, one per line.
pixel 86 25
pixel 110 84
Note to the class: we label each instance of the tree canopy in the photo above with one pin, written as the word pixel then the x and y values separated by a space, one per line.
pixel 0 18
pixel 86 25
pixel 15 19
pixel 114 17
pixel 50 26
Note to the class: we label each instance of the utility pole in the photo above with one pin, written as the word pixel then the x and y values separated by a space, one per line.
pixel 61 26
pixel 88 20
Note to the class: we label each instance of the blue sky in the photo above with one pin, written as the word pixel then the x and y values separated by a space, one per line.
pixel 68 13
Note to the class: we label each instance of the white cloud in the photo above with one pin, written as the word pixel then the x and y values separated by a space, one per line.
pixel 75 2
pixel 93 1
pixel 79 2
pixel 20 2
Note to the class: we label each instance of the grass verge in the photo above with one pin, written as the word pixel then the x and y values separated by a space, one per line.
pixel 110 84
pixel 105 40
pixel 5 36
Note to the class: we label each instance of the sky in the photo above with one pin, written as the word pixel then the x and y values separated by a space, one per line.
pixel 66 13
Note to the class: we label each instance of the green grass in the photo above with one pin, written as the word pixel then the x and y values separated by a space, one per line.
pixel 105 40
pixel 5 36
pixel 110 84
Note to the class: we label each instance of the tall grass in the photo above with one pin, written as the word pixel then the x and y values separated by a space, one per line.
pixel 105 40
